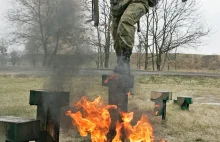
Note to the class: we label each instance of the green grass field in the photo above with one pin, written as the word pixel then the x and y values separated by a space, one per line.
pixel 200 123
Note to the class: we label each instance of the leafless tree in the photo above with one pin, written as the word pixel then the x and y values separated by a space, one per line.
pixel 32 52
pixel 14 57
pixel 100 38
pixel 3 46
pixel 3 51
pixel 144 38
pixel 51 22
pixel 173 24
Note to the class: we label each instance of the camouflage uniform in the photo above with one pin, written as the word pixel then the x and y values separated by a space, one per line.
pixel 123 23
pixel 125 15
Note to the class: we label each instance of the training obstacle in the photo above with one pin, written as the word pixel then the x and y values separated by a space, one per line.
pixel 118 92
pixel 160 98
pixel 46 127
pixel 184 102
pixel 18 129
pixel 49 104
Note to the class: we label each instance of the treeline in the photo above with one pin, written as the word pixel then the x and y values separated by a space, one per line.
pixel 52 29
pixel 175 62
pixel 181 62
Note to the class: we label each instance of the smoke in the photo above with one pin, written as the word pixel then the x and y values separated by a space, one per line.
pixel 72 54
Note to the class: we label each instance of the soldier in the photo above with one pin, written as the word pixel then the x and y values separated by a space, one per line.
pixel 125 13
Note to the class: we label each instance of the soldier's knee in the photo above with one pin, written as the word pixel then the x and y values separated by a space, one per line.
pixel 127 20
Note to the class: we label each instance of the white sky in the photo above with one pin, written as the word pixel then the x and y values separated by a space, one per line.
pixel 211 11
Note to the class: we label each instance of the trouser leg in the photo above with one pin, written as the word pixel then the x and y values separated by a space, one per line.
pixel 117 48
pixel 125 33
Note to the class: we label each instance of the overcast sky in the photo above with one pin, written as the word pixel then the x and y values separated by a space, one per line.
pixel 211 11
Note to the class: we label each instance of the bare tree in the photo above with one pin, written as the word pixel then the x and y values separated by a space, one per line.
pixel 3 51
pixel 32 52
pixel 100 38
pixel 175 24
pixel 14 57
pixel 51 22
pixel 3 46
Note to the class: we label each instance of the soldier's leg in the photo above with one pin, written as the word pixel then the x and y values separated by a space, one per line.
pixel 126 32
pixel 115 22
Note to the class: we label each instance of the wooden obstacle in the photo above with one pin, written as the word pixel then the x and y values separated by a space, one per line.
pixel 18 129
pixel 47 126
pixel 184 102
pixel 160 98
pixel 118 91
pixel 49 104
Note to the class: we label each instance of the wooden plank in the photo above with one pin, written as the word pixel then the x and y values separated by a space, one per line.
pixel 18 129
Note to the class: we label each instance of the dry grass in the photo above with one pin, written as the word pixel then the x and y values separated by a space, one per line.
pixel 200 123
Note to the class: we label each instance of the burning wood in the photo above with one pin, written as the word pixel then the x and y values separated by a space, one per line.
pixel 141 132
pixel 114 76
pixel 94 118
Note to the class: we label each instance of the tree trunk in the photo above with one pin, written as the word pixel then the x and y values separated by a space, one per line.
pixel 165 60
pixel 55 51
pixel 107 47
pixel 175 60
pixel 101 57
pixel 146 59
pixel 152 54
pixel 100 61
pixel 146 44
pixel 106 58
pixel 44 59
pixel 159 60
pixel 107 43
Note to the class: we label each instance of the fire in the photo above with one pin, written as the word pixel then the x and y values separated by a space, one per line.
pixel 111 77
pixel 141 132
pixel 118 132
pixel 94 119
pixel 129 93
pixel 156 113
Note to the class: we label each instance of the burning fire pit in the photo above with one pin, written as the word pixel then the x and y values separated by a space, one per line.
pixel 118 92
pixel 94 118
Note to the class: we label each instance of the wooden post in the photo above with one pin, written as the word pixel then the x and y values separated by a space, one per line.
pixel 18 129
pixel 184 102
pixel 117 95
pixel 49 104
pixel 160 98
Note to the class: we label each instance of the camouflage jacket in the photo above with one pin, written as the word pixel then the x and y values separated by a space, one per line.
pixel 119 6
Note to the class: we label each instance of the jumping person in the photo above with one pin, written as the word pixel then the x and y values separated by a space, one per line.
pixel 125 14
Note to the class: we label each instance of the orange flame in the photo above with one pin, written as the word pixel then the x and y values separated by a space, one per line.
pixel 156 113
pixel 110 77
pixel 141 132
pixel 129 93
pixel 118 132
pixel 95 119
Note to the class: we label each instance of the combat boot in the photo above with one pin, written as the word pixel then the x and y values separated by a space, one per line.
pixel 123 65
pixel 118 55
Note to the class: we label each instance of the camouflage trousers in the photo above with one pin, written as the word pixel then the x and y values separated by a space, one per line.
pixel 123 26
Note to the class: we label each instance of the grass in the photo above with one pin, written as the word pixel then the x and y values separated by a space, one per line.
pixel 200 123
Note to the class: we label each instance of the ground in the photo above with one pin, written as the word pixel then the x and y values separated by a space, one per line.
pixel 200 123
